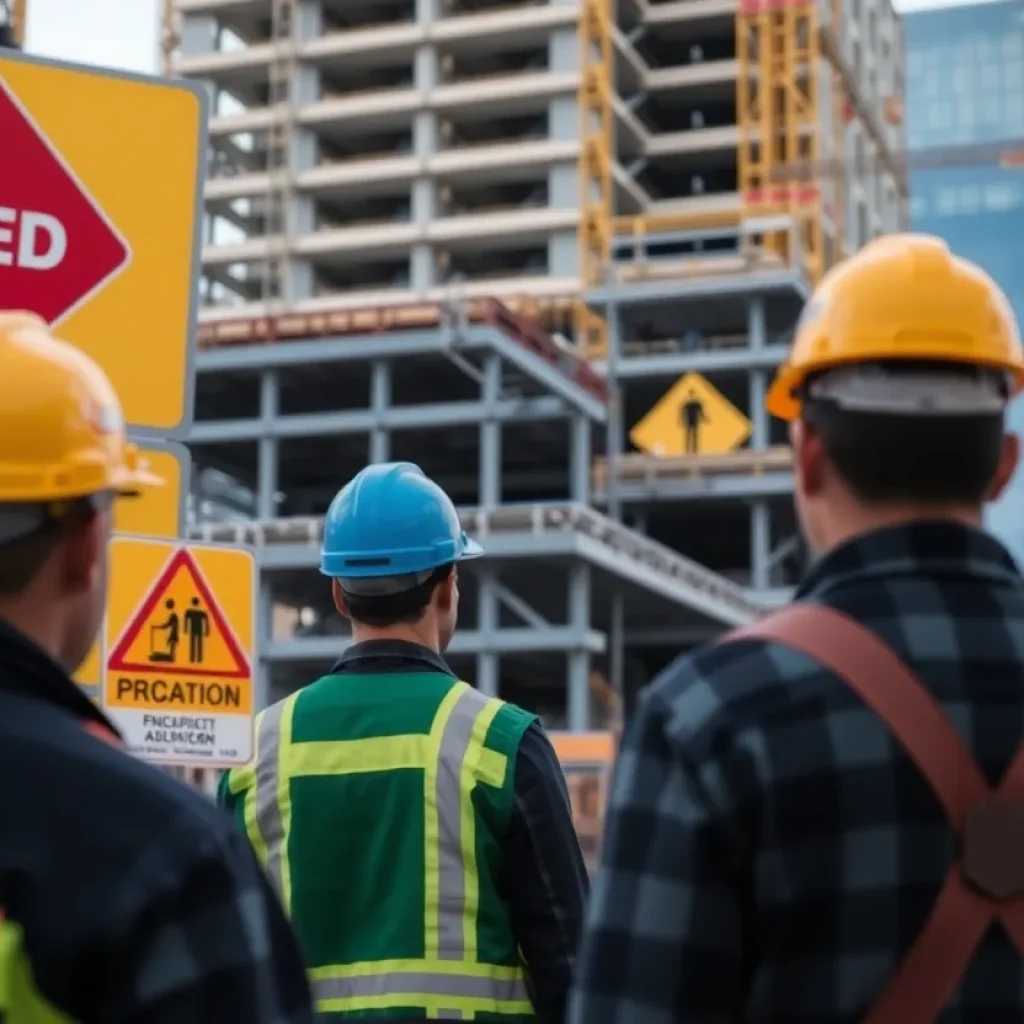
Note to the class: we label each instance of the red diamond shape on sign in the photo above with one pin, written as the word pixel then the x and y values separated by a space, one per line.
pixel 57 247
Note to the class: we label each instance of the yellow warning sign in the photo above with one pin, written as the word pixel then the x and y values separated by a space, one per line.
pixel 692 418
pixel 179 680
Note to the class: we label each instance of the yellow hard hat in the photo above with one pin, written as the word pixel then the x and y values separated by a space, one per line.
pixel 902 297
pixel 62 431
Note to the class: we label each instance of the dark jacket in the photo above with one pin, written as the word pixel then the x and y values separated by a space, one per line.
pixel 137 899
pixel 772 851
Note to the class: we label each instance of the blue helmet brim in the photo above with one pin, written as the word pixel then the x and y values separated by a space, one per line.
pixel 470 549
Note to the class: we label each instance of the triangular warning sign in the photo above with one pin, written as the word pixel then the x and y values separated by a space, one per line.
pixel 179 629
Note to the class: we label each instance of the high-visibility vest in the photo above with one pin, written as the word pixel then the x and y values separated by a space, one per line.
pixel 377 805
pixel 986 883
pixel 20 1000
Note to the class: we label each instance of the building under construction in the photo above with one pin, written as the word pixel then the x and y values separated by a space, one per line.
pixel 552 252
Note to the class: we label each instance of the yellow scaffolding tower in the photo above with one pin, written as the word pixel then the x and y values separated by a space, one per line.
pixel 596 133
pixel 778 108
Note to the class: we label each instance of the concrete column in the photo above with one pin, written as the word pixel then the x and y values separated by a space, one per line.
pixel 487 663
pixel 615 437
pixel 199 35
pixel 311 20
pixel 490 435
pixel 758 413
pixel 266 495
pixel 564 121
pixel 579 460
pixel 760 545
pixel 616 646
pixel 578 661
pixel 380 400
pixel 264 630
pixel 756 324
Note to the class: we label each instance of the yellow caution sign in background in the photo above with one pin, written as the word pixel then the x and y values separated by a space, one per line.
pixel 180 636
pixel 692 418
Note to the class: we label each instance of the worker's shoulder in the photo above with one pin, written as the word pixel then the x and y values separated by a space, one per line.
pixel 733 685
pixel 94 804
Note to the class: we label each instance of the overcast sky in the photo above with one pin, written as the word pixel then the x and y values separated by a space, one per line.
pixel 126 33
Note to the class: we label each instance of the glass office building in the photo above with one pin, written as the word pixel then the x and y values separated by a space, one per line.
pixel 965 87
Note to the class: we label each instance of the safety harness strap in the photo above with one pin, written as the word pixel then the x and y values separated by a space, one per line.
pixel 989 879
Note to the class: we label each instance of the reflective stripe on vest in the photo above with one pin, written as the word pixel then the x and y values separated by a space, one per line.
pixel 20 1000
pixel 449 980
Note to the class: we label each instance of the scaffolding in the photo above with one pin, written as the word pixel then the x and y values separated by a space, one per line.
pixel 596 156
pixel 281 97
pixel 778 107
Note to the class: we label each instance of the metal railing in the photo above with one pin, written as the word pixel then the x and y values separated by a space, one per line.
pixel 537 519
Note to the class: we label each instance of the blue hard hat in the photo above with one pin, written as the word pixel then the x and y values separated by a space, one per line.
pixel 391 521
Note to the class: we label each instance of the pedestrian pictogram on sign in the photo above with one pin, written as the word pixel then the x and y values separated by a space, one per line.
pixel 178 677
pixel 692 418
pixel 180 626
pixel 57 247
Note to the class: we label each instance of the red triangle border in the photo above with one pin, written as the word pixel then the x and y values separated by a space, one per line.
pixel 182 557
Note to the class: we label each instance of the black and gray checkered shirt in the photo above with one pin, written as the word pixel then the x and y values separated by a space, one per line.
pixel 138 900
pixel 771 851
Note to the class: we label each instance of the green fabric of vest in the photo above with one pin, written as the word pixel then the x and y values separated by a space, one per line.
pixel 381 825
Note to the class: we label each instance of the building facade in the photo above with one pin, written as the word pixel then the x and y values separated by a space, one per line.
pixel 965 89
pixel 553 252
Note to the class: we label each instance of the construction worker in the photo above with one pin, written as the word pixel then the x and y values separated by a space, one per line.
pixel 802 828
pixel 420 832
pixel 124 896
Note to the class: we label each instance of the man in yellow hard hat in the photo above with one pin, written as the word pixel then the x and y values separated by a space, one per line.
pixel 821 818
pixel 124 896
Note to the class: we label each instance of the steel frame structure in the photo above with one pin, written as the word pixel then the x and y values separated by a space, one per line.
pixel 573 581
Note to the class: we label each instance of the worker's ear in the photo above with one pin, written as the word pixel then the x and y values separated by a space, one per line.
pixel 339 599
pixel 1008 459
pixel 84 551
pixel 447 591
pixel 808 458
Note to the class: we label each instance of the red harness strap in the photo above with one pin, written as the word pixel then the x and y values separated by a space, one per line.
pixel 101 732
pixel 988 880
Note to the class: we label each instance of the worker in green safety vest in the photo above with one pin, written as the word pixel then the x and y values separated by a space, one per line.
pixel 419 832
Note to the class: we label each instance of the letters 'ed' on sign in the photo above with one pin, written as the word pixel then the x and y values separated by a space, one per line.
pixel 100 202
pixel 179 680
pixel 692 418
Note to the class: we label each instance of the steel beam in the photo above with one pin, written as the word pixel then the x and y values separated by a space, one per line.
pixel 674 364
pixel 515 604
pixel 365 421
pixel 710 486
pixel 398 345
pixel 641 292
pixel 625 567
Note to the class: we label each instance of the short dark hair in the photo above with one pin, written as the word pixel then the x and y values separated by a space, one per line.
pixel 22 559
pixel 929 460
pixel 395 609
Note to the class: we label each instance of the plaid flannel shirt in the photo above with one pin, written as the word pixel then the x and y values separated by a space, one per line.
pixel 771 852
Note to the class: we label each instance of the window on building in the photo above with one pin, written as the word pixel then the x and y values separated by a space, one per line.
pixel 1004 195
